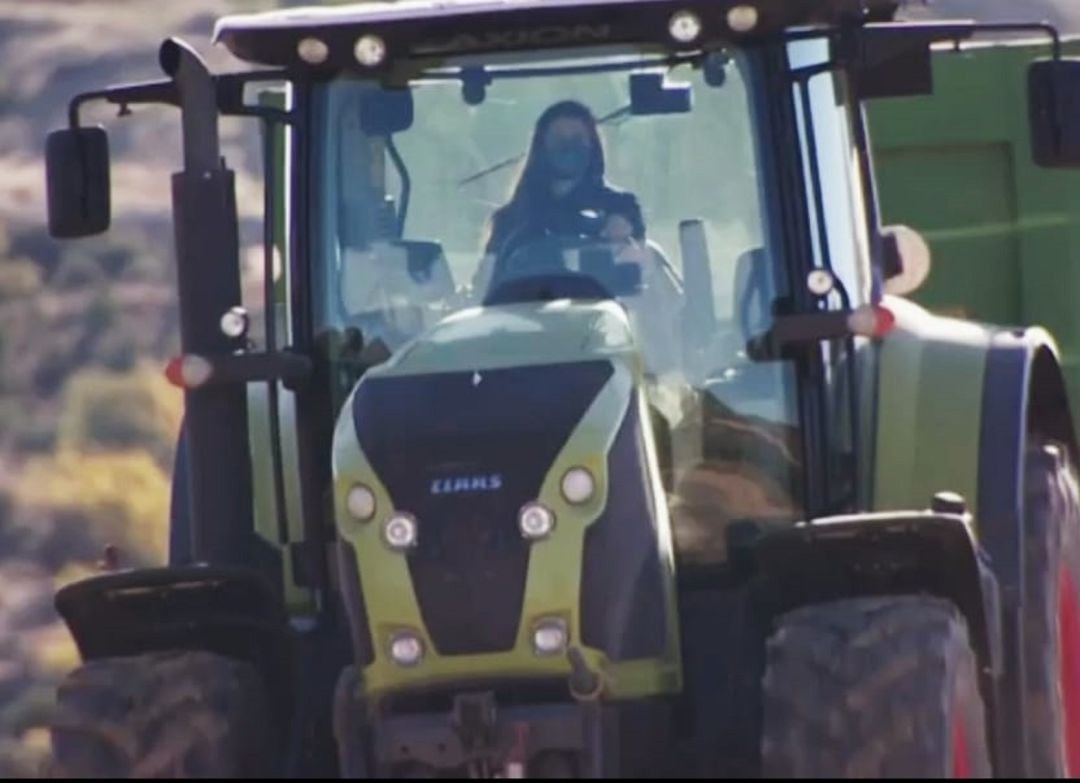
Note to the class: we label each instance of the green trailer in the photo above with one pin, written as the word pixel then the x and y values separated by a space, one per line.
pixel 957 166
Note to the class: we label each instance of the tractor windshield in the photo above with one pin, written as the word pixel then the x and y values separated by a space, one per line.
pixel 623 175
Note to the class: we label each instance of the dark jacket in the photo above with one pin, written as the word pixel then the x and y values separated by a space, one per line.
pixel 582 212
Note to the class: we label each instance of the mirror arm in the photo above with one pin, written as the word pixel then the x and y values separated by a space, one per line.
pixel 1019 27
pixel 159 91
pixel 229 87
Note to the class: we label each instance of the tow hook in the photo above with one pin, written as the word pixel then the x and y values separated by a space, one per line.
pixel 474 721
pixel 585 684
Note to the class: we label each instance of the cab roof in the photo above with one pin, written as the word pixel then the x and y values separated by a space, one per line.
pixel 458 26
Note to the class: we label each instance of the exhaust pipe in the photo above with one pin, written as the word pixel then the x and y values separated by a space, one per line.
pixel 198 103
pixel 208 277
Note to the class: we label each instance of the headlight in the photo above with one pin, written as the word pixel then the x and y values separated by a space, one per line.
pixel 742 18
pixel 550 637
pixel 536 521
pixel 370 50
pixel 406 649
pixel 361 503
pixel 578 486
pixel 685 27
pixel 313 51
pixel 401 532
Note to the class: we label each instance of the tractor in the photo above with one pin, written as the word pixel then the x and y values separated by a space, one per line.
pixel 583 427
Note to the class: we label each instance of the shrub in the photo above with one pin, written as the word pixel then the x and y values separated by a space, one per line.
pixel 19 279
pixel 76 271
pixel 122 497
pixel 33 435
pixel 108 411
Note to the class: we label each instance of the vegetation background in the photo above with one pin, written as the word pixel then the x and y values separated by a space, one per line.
pixel 87 421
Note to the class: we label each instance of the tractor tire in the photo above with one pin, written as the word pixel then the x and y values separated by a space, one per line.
pixel 1051 614
pixel 873 687
pixel 165 715
pixel 351 733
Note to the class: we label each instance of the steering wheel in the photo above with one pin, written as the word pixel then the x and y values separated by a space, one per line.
pixel 549 258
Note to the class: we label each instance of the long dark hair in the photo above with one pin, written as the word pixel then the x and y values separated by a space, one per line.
pixel 532 193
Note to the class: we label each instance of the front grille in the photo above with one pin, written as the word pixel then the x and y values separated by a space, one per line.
pixel 424 432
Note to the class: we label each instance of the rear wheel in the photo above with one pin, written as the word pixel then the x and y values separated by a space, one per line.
pixel 873 687
pixel 165 715
pixel 1052 612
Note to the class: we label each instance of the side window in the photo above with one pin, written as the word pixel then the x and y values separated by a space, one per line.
pixel 828 150
pixel 842 189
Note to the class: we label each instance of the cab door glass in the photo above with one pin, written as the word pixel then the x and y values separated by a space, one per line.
pixel 842 189
pixel 831 163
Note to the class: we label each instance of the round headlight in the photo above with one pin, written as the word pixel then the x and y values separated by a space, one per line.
pixel 370 50
pixel 401 532
pixel 234 322
pixel 742 18
pixel 536 521
pixel 578 486
pixel 313 51
pixel 406 649
pixel 820 282
pixel 550 637
pixel 361 503
pixel 685 27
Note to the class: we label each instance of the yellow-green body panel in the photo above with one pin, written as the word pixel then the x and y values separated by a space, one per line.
pixel 929 416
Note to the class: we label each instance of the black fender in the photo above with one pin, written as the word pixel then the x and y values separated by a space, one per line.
pixel 920 552
pixel 1024 392
pixel 883 553
pixel 224 610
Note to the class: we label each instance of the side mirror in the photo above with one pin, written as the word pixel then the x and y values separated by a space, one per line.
pixel 907 260
pixel 386 112
pixel 651 94
pixel 77 181
pixel 890 62
pixel 1054 112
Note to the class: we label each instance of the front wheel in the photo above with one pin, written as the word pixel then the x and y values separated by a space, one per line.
pixel 163 715
pixel 873 687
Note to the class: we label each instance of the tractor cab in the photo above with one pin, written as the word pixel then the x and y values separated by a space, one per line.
pixel 491 191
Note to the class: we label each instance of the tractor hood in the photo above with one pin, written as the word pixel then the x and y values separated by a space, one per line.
pixel 462 429
pixel 519 335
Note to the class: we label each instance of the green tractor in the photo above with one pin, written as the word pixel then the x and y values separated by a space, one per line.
pixel 582 429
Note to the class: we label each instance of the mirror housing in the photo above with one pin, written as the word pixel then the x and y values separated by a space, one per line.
pixel 1054 112
pixel 651 94
pixel 890 61
pixel 907 260
pixel 77 182
pixel 386 111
